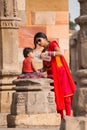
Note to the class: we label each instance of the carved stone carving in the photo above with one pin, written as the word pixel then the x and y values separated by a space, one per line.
pixel 5 8
pixel 50 98
pixel 14 8
pixel 20 99
pixel 9 23
pixel 81 73
pixel 8 8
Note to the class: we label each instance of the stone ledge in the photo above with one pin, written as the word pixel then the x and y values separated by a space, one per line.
pixel 74 123
pixel 27 121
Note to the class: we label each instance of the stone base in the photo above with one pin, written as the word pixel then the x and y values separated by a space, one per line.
pixel 74 123
pixel 5 100
pixel 3 120
pixel 38 120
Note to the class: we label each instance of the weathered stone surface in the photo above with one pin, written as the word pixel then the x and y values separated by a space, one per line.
pixel 9 24
pixel 81 77
pixel 33 96
pixel 3 120
pixel 36 120
pixel 80 102
pixel 74 60
pixel 5 100
pixel 34 104
pixel 43 18
pixel 74 123
pixel 79 121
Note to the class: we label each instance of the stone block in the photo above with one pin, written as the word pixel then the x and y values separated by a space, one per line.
pixel 43 18
pixel 74 123
pixel 47 6
pixel 29 17
pixel 26 34
pixel 41 102
pixel 58 31
pixel 21 4
pixel 33 96
pixel 3 120
pixel 37 120
pixel 5 100
pixel 22 16
pixel 62 17
pixel 64 43
pixel 80 102
pixel 84 55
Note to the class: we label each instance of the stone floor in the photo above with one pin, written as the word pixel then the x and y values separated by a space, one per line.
pixel 52 128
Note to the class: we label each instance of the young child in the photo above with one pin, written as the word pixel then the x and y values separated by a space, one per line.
pixel 28 67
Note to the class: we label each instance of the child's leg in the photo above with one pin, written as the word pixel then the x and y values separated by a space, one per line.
pixel 68 105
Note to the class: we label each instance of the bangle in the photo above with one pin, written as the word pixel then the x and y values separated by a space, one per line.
pixel 49 53
pixel 54 53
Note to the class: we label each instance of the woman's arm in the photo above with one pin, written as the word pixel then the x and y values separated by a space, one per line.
pixel 55 52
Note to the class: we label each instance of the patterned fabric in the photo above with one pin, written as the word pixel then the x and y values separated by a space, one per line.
pixel 31 75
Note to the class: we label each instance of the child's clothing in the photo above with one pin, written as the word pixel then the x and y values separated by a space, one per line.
pixel 28 71
pixel 27 65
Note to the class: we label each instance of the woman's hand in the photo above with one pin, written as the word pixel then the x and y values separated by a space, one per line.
pixel 44 56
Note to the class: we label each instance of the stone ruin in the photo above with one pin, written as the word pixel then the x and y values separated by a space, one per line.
pixel 9 25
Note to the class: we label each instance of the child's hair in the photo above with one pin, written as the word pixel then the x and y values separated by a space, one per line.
pixel 26 51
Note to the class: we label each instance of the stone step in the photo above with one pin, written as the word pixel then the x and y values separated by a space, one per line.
pixel 52 128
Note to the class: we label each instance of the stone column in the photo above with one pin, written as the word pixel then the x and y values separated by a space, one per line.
pixel 80 99
pixel 79 119
pixel 9 24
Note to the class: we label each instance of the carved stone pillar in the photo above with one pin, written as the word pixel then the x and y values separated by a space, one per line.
pixel 80 98
pixel 9 24
pixel 80 102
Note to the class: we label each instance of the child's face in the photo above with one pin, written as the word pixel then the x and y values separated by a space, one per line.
pixel 31 54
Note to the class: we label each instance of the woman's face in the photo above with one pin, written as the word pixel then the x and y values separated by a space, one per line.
pixel 41 42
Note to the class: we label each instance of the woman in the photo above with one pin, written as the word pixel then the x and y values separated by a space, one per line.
pixel 64 86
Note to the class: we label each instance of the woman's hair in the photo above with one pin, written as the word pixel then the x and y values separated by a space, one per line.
pixel 26 51
pixel 39 35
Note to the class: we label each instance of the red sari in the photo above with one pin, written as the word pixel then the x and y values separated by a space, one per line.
pixel 59 92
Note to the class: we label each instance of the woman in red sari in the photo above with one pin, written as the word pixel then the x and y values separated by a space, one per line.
pixel 57 67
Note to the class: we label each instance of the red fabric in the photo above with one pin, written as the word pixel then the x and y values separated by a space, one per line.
pixel 27 66
pixel 68 102
pixel 59 95
pixel 48 69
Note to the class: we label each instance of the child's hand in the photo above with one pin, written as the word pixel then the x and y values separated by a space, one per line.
pixel 38 72
pixel 43 55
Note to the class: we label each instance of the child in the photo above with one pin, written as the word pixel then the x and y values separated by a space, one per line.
pixel 28 68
